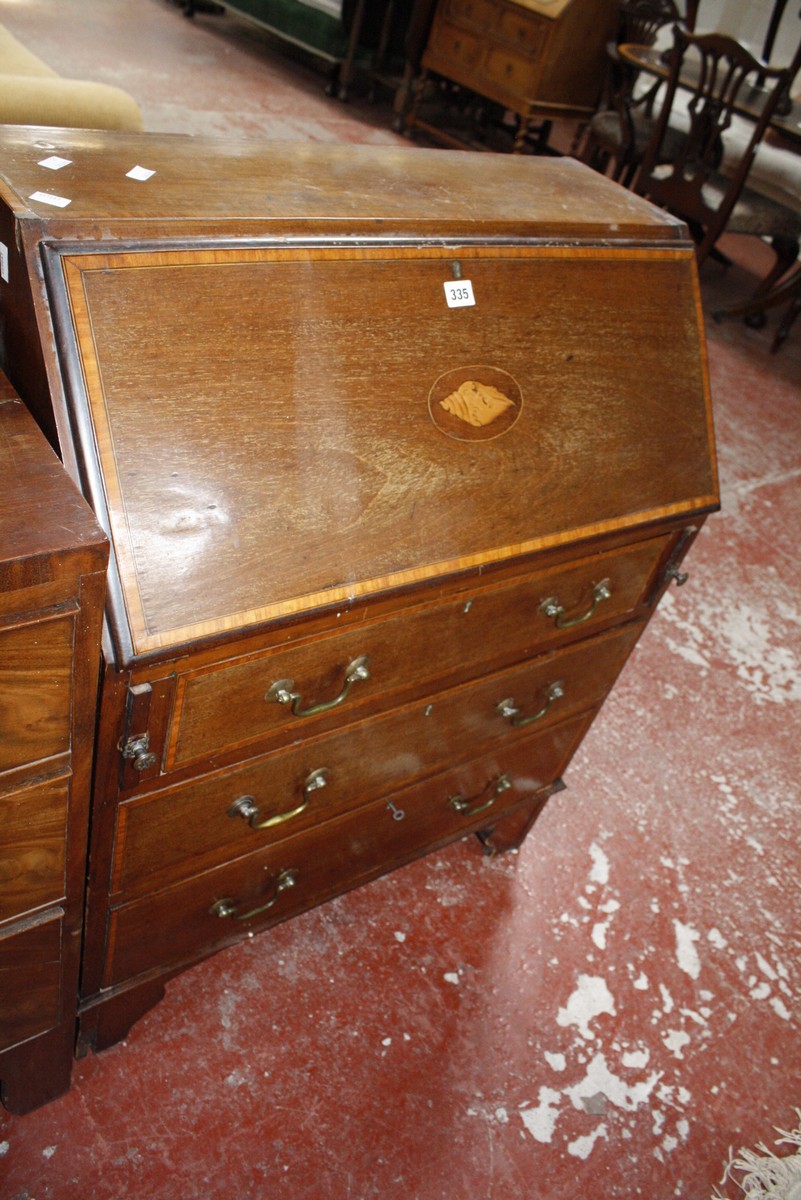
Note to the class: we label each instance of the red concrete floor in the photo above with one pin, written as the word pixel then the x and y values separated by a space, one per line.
pixel 604 1013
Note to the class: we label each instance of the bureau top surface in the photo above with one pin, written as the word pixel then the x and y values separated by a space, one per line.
pixel 79 183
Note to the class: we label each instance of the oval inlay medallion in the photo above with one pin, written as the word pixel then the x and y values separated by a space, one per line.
pixel 475 403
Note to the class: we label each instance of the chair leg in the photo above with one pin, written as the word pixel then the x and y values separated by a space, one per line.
pixel 787 320
pixel 753 310
pixel 786 251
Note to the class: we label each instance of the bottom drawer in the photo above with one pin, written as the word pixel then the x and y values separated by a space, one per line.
pixel 30 981
pixel 216 908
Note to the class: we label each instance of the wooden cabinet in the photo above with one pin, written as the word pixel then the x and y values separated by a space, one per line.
pixel 52 567
pixel 396 454
pixel 536 58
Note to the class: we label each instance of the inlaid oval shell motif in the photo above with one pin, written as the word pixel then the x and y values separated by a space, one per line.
pixel 475 403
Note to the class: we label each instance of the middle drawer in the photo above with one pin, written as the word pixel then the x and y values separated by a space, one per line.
pixel 174 832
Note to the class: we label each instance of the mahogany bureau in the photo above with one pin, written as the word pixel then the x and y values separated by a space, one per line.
pixel 397 451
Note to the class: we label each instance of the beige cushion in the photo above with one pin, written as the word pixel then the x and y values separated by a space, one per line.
pixel 31 93
pixel 45 100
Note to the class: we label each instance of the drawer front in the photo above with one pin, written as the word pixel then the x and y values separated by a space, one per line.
pixel 451 46
pixel 30 974
pixel 174 833
pixel 213 909
pixel 35 691
pixel 524 31
pixel 478 13
pixel 33 833
pixel 515 73
pixel 231 705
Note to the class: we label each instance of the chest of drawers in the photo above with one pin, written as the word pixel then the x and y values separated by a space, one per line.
pixel 397 451
pixel 52 579
pixel 537 58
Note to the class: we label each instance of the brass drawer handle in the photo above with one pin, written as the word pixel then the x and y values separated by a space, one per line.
pixel 227 908
pixel 496 789
pixel 552 608
pixel 281 691
pixel 507 708
pixel 247 808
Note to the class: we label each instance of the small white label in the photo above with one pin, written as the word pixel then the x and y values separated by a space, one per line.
pixel 54 162
pixel 140 173
pixel 4 262
pixel 459 293
pixel 46 198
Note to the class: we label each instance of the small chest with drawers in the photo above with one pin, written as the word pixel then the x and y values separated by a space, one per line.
pixel 536 58
pixel 397 451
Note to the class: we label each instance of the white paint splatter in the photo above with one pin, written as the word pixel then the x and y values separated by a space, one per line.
pixel 49 1151
pixel 600 1079
pixel 4 1148
pixel 641 982
pixel 541 1121
pixel 600 865
pixel 399 937
pixel 765 967
pixel 686 953
pixel 599 934
pixel 582 1146
pixel 451 977
pixel 557 1062
pixel 667 999
pixel 636 1058
pixel 780 1008
pixel 590 999
pixel 676 1040
pixel 716 938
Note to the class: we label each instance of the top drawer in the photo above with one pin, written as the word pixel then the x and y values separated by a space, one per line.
pixel 523 30
pixel 35 690
pixel 319 684
pixel 480 13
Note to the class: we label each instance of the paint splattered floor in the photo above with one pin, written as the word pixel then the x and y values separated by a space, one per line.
pixel 604 1013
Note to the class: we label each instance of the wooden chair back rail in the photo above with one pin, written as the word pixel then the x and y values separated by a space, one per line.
pixel 722 74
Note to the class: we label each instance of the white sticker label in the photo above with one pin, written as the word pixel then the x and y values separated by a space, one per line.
pixel 140 173
pixel 459 293
pixel 54 163
pixel 46 198
pixel 4 262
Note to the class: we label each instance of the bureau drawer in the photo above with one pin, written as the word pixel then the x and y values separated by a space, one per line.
pixel 525 32
pixel 33 833
pixel 210 910
pixel 480 13
pixel 231 705
pixel 174 833
pixel 452 45
pixel 35 690
pixel 30 981
pixel 515 73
